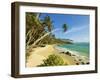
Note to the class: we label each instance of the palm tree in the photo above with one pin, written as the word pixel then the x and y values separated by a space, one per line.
pixel 64 27
pixel 47 22
pixel 33 27
pixel 37 30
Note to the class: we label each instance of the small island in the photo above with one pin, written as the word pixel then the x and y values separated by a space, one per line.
pixel 47 44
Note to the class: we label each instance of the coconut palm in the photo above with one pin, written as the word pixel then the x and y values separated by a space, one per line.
pixel 48 22
pixel 39 31
pixel 33 27
pixel 64 27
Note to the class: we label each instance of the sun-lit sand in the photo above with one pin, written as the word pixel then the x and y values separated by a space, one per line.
pixel 40 53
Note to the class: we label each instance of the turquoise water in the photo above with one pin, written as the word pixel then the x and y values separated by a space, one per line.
pixel 82 48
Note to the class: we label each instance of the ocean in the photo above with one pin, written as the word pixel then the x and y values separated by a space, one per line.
pixel 81 48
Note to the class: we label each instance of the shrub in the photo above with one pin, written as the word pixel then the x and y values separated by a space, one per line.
pixel 53 60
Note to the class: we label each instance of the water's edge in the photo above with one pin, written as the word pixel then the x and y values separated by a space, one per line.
pixel 80 48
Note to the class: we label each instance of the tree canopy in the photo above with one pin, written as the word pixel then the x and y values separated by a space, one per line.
pixel 39 31
pixel 65 27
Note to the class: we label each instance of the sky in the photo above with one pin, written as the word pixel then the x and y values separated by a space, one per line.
pixel 78 26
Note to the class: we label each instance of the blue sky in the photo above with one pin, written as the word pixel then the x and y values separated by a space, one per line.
pixel 78 26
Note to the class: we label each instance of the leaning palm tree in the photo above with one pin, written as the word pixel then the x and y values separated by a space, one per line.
pixel 47 24
pixel 42 37
pixel 33 28
pixel 37 30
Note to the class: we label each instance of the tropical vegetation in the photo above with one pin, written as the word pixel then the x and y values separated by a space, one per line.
pixel 53 60
pixel 39 33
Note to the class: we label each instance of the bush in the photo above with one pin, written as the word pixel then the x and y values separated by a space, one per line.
pixel 53 60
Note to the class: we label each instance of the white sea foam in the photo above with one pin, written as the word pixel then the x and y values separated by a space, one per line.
pixel 75 53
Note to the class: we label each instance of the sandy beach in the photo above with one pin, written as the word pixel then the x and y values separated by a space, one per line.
pixel 40 53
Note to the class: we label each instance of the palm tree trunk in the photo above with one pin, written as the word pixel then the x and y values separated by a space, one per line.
pixel 44 37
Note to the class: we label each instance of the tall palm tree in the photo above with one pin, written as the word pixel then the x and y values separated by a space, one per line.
pixel 48 23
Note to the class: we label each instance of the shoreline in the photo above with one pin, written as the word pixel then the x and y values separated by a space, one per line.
pixel 74 54
pixel 40 53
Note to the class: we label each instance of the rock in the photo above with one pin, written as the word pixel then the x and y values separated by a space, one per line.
pixel 80 59
pixel 87 63
pixel 68 53
pixel 77 63
pixel 82 63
